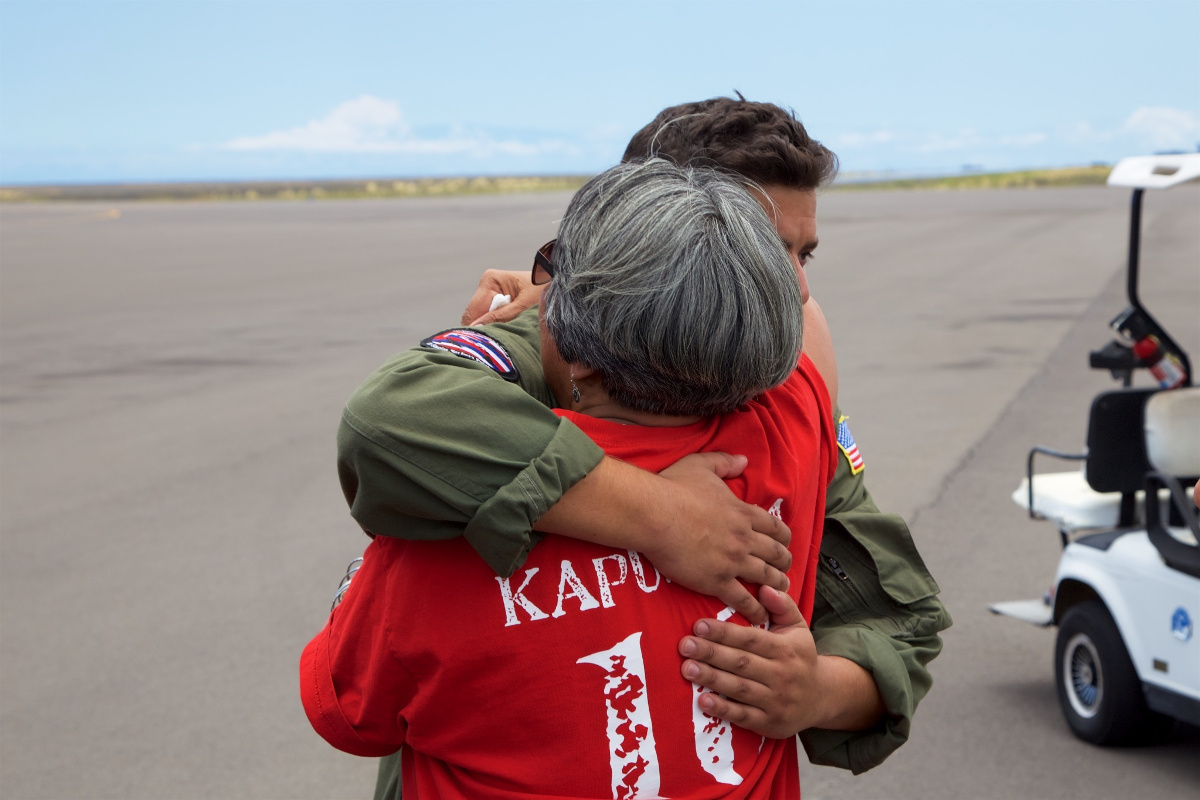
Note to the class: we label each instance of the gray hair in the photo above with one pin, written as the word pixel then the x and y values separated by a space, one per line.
pixel 673 284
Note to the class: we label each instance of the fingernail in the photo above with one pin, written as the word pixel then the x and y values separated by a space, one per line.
pixel 688 647
pixel 701 628
pixel 691 671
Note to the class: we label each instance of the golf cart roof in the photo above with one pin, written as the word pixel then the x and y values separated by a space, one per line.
pixel 1155 172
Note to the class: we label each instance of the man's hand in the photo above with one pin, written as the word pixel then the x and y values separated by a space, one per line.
pixel 494 281
pixel 690 525
pixel 773 682
pixel 714 538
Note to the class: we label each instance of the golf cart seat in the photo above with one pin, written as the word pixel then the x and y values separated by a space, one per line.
pixel 1173 447
pixel 1173 433
pixel 1108 491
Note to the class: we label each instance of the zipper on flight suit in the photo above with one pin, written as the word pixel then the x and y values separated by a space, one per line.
pixel 836 569
pixel 872 607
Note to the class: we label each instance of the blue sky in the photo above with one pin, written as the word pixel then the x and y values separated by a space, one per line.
pixel 151 91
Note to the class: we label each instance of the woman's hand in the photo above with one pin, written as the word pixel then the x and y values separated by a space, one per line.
pixel 773 682
pixel 515 284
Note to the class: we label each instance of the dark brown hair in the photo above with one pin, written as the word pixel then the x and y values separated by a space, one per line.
pixel 759 141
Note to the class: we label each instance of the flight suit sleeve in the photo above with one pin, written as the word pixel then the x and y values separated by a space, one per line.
pixel 434 445
pixel 877 606
pixel 387 779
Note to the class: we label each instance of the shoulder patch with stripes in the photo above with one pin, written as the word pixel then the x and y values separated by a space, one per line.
pixel 845 442
pixel 476 346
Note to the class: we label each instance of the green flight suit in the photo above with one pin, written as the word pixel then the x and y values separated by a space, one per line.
pixel 434 445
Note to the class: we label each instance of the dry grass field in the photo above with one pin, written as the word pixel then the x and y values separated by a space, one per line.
pixel 378 188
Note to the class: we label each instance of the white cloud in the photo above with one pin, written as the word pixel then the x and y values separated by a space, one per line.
pixel 1082 134
pixel 365 125
pixel 1148 128
pixel 371 125
pixel 1164 128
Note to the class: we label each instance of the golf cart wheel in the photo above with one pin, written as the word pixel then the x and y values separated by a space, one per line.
pixel 1098 688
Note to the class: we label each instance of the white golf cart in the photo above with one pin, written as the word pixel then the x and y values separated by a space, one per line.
pixel 1126 596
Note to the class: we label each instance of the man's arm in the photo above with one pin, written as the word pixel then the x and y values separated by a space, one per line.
pixel 774 682
pixel 671 517
pixel 877 607
pixel 434 446
pixel 864 664
pixel 516 286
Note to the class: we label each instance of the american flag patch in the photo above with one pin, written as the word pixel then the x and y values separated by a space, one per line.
pixel 845 442
pixel 477 347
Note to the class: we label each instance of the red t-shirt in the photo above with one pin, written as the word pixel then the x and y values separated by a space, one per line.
pixel 563 680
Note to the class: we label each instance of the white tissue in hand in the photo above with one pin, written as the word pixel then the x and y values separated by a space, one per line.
pixel 499 300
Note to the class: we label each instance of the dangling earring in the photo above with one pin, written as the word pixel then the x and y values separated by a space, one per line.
pixel 574 391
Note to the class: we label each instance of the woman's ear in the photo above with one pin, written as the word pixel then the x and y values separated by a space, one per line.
pixel 579 372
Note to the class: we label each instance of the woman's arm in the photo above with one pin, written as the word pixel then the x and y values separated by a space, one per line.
pixel 353 658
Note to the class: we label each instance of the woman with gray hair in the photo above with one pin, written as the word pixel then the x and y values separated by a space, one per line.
pixel 672 307
pixel 672 285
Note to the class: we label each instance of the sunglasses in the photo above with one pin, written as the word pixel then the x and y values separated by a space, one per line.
pixel 543 267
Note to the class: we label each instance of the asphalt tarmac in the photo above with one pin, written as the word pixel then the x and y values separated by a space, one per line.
pixel 172 531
